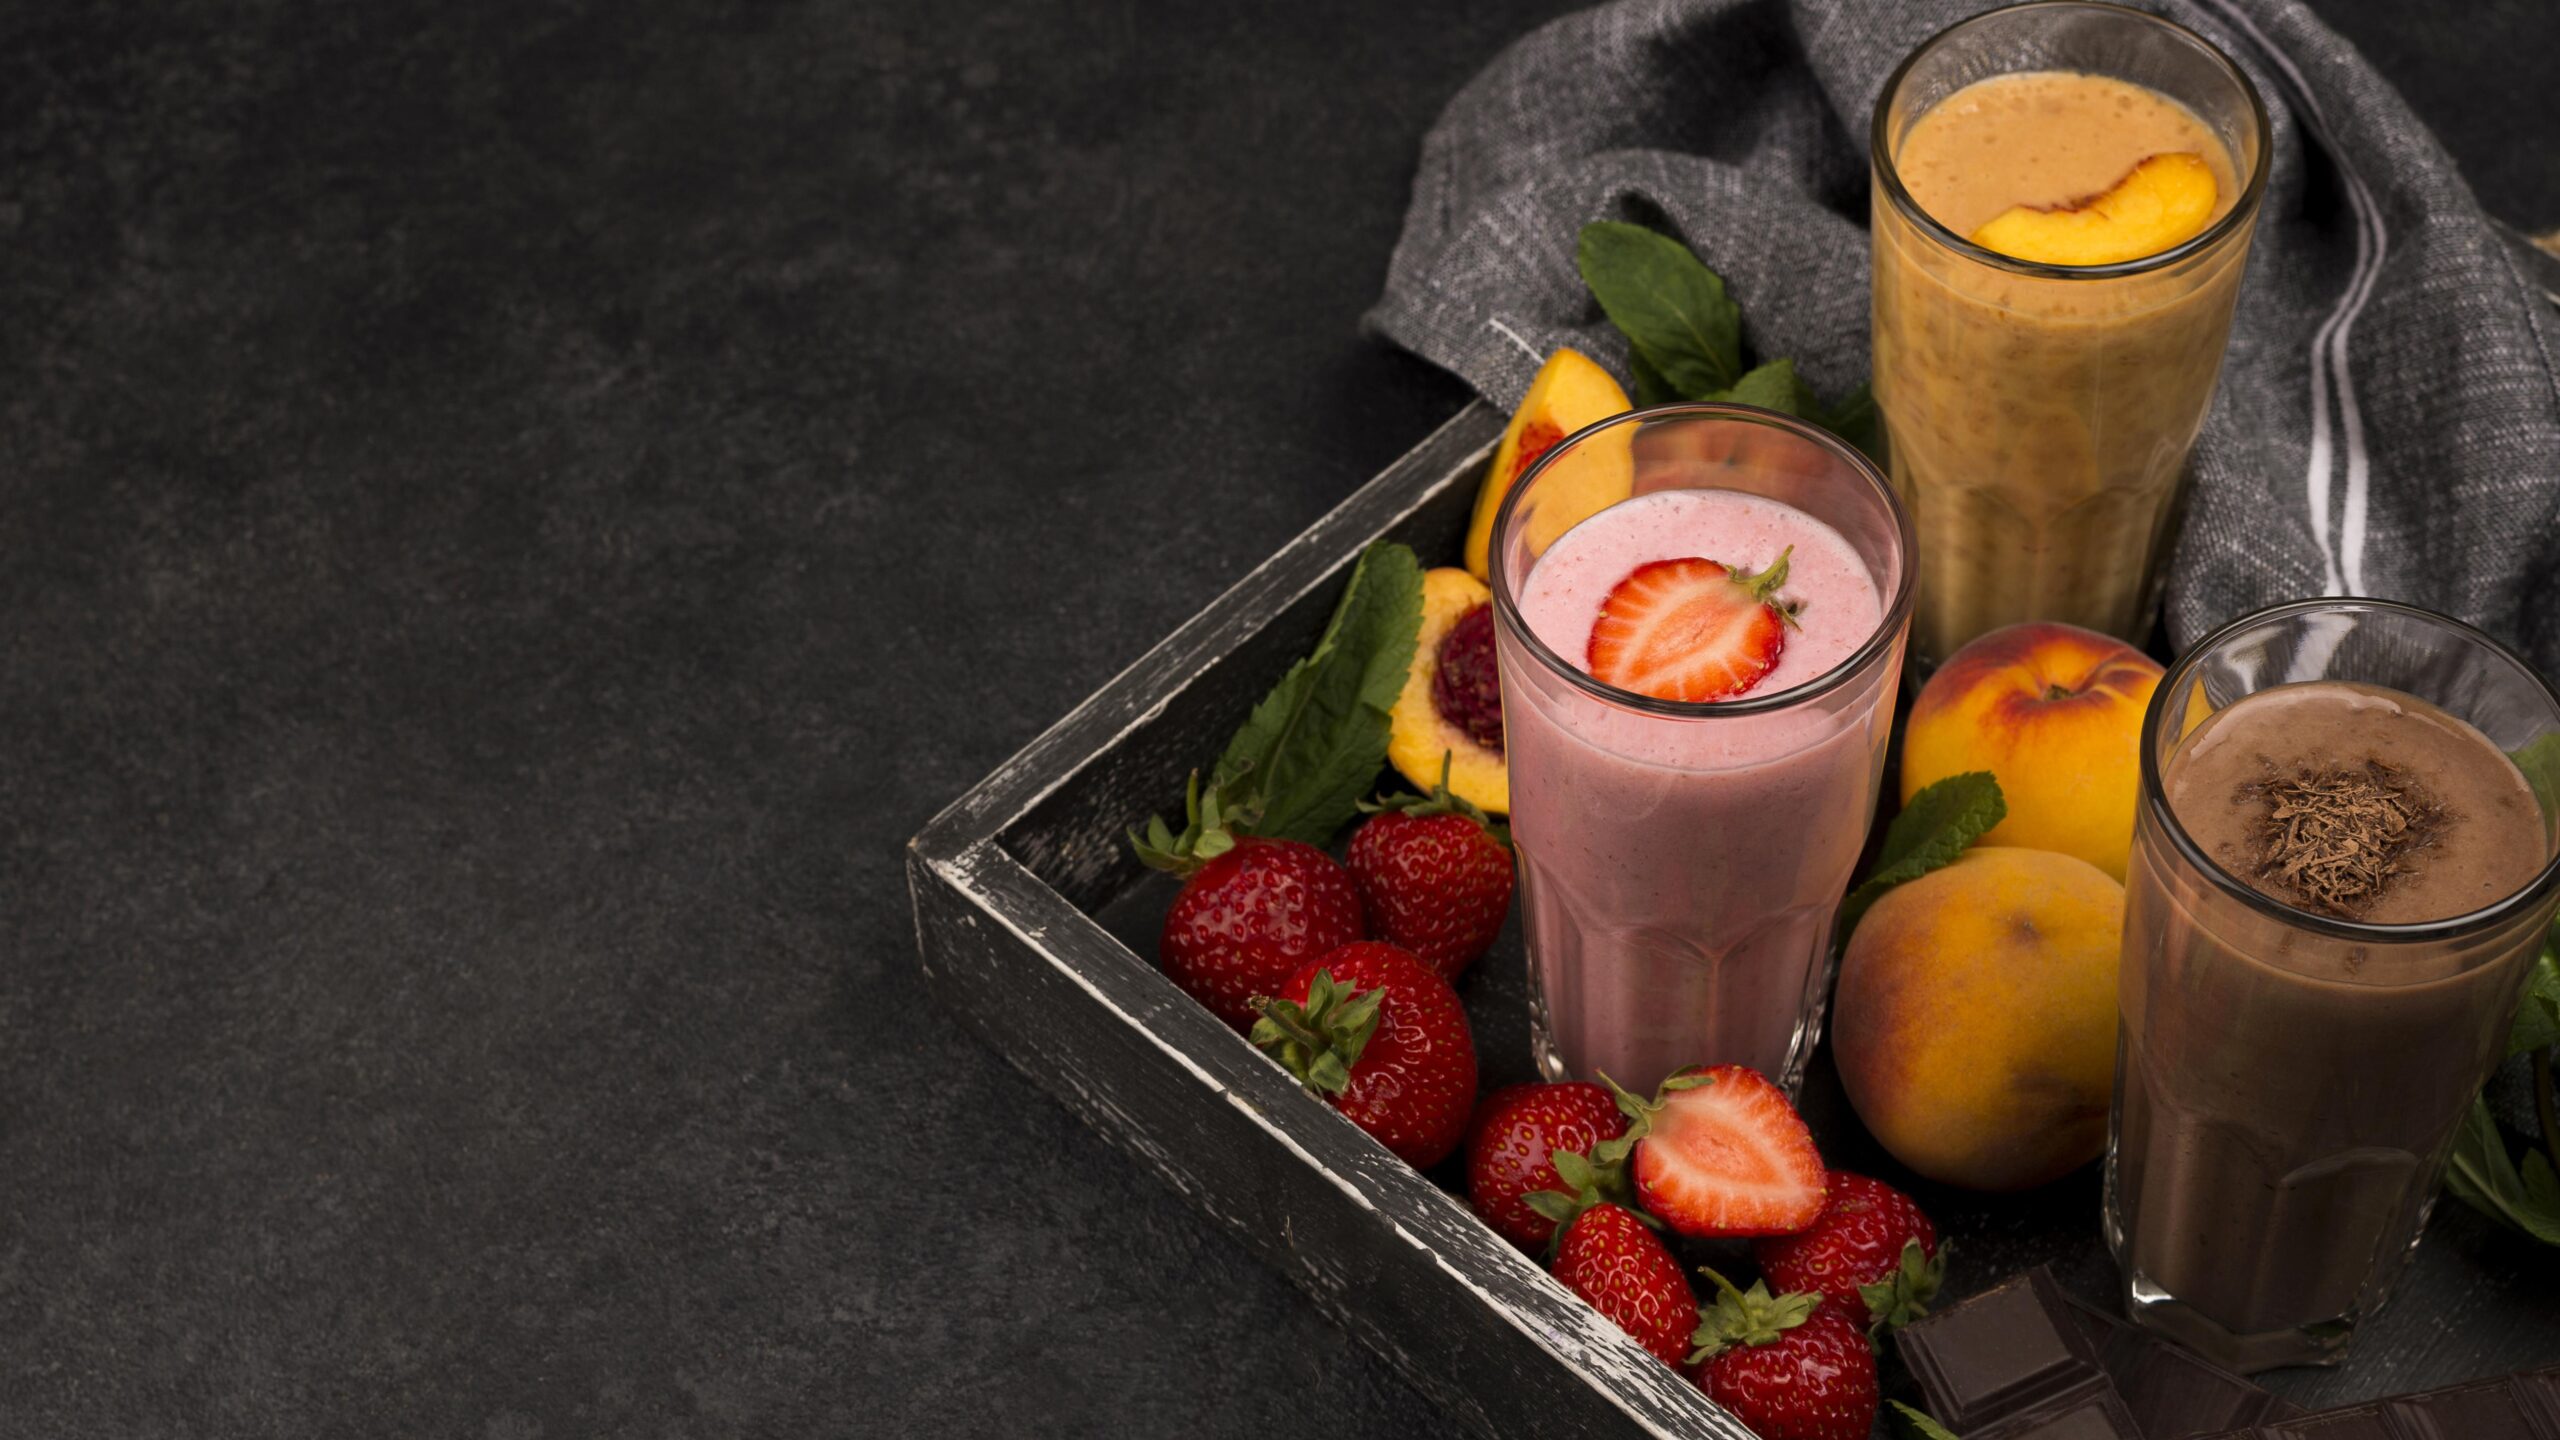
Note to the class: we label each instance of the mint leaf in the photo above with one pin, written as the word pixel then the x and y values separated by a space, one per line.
pixel 1856 420
pixel 1307 754
pixel 2482 1176
pixel 2538 1013
pixel 1672 309
pixel 1930 832
pixel 1773 386
pixel 1651 388
pixel 1684 339
pixel 2540 762
pixel 1916 1423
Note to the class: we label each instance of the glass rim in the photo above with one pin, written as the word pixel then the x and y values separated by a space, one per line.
pixel 1894 620
pixel 2155 794
pixel 2236 220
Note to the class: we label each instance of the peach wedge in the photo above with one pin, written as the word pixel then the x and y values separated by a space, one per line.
pixel 2166 200
pixel 1570 391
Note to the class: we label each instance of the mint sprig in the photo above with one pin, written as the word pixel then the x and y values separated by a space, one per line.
pixel 2537 1023
pixel 1684 332
pixel 2483 1176
pixel 1916 1422
pixel 1930 833
pixel 2524 1197
pixel 1303 759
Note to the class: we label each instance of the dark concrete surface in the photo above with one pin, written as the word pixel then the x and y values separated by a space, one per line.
pixel 509 517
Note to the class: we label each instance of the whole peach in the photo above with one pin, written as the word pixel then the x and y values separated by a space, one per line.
pixel 1975 1023
pixel 2055 713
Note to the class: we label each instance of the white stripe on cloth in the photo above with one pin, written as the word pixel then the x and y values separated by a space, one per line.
pixel 2342 563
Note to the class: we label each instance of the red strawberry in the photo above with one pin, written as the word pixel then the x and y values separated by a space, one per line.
pixel 1719 1151
pixel 1517 1131
pixel 1691 629
pixel 1383 1040
pixel 1610 1259
pixel 1870 1253
pixel 1251 910
pixel 1434 877
pixel 1789 1368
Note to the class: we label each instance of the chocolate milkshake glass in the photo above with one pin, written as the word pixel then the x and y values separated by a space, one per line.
pixel 1681 861
pixel 2039 415
pixel 2339 881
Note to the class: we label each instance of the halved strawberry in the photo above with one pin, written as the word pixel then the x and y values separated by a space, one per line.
pixel 1720 1152
pixel 1691 629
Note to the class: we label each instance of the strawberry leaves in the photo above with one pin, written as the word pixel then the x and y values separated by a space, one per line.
pixel 1905 1295
pixel 1743 1318
pixel 1930 833
pixel 1684 332
pixel 1320 1041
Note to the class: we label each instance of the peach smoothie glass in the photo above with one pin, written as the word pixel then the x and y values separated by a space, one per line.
pixel 2039 416
pixel 1681 862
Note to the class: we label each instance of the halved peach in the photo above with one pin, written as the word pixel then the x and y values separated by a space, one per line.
pixel 1451 704
pixel 1569 392
pixel 2164 201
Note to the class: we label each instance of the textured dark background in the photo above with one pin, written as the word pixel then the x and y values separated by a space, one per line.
pixel 509 517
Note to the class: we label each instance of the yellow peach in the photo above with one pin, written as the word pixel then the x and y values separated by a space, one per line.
pixel 2054 712
pixel 1975 1022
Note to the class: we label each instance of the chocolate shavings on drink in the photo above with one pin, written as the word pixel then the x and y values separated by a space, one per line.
pixel 2335 836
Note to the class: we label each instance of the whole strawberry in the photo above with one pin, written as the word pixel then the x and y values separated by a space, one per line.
pixel 1383 1040
pixel 1518 1130
pixel 1789 1367
pixel 1250 912
pixel 1434 876
pixel 1610 1259
pixel 1871 1254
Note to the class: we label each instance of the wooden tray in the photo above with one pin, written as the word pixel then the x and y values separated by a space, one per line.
pixel 1038 927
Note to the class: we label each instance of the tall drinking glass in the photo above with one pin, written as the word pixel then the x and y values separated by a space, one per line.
pixel 2039 415
pixel 1681 861
pixel 2306 1020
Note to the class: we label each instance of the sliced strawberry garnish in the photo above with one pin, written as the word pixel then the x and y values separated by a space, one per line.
pixel 1691 629
pixel 1721 1152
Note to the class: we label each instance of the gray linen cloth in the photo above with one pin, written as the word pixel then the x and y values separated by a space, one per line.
pixel 2389 419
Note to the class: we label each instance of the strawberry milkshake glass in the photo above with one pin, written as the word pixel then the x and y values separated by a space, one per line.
pixel 1682 860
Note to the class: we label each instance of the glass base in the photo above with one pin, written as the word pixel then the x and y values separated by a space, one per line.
pixel 2321 1343
pixel 1800 1046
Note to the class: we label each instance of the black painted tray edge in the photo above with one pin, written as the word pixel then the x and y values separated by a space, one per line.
pixel 1469 1320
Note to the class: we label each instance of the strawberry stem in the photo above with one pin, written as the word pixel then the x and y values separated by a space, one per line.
pixel 1441 802
pixel 1210 823
pixel 1743 1318
pixel 1320 1041
pixel 1763 587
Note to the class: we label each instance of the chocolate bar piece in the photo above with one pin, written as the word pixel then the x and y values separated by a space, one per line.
pixel 2173 1393
pixel 2025 1359
pixel 2525 1406
pixel 2013 1363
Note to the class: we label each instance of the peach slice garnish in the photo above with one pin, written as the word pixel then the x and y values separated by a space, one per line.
pixel 1569 392
pixel 2164 201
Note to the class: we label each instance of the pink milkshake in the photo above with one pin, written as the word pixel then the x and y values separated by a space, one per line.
pixel 1681 861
